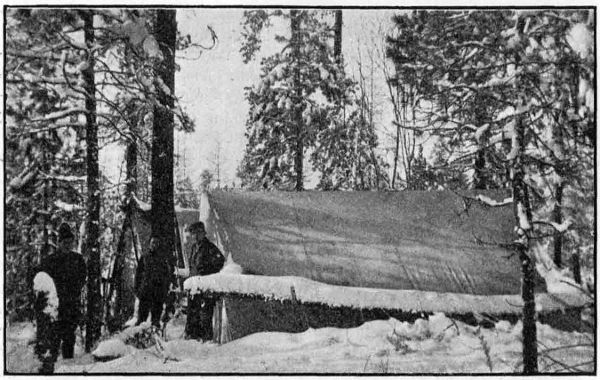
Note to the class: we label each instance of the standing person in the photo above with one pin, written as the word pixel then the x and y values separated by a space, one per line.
pixel 68 271
pixel 205 258
pixel 153 276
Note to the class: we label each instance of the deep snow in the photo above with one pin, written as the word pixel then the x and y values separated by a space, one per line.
pixel 306 290
pixel 438 345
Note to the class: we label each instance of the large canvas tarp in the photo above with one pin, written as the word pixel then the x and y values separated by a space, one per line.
pixel 430 241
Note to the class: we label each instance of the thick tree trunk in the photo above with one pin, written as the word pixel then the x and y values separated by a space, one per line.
pixel 479 177
pixel 297 113
pixel 131 167
pixel 557 218
pixel 576 268
pixel 123 302
pixel 479 181
pixel 337 39
pixel 529 328
pixel 163 208
pixel 94 300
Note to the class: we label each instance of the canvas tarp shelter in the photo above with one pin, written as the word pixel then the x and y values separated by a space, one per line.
pixel 338 259
pixel 420 240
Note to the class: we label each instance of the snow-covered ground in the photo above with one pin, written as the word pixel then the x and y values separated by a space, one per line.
pixel 439 345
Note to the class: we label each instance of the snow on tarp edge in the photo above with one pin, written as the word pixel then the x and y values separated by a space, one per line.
pixel 309 291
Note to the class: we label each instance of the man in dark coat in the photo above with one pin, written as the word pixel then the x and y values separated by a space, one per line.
pixel 204 259
pixel 153 277
pixel 68 270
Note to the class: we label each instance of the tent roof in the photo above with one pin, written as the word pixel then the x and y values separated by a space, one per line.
pixel 429 241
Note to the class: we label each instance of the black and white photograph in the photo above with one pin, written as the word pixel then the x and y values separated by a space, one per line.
pixel 299 188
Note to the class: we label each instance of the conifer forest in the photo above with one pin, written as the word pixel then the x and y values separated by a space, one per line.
pixel 120 121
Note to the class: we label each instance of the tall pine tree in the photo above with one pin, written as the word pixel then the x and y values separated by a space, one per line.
pixel 303 104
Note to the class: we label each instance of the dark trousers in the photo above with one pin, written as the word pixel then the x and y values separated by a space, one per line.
pixel 56 335
pixel 198 324
pixel 65 337
pixel 154 307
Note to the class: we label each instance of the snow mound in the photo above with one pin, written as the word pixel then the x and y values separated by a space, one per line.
pixel 442 326
pixel 309 291
pixel 43 283
pixel 111 349
pixel 373 348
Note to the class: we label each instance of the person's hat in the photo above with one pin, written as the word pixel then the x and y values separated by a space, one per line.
pixel 196 227
pixel 64 232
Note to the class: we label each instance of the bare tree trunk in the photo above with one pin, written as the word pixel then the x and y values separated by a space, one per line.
pixel 396 152
pixel 479 177
pixel 163 208
pixel 94 300
pixel 523 216
pixel 297 119
pixel 559 156
pixel 131 168
pixel 529 328
pixel 479 166
pixel 557 218
pixel 123 303
pixel 337 41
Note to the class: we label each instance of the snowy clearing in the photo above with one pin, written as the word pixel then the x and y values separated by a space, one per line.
pixel 439 345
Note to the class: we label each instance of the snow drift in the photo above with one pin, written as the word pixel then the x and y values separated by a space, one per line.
pixel 308 291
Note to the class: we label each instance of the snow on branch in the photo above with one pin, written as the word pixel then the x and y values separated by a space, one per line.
pixel 34 79
pixel 72 42
pixel 492 203
pixel 65 178
pixel 34 129
pixel 141 204
pixel 22 179
pixel 61 114
pixel 485 200
pixel 68 207
pixel 46 53
pixel 523 219
pixel 560 228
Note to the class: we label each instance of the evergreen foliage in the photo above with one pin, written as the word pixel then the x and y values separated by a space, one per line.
pixel 304 97
pixel 47 63
pixel 509 95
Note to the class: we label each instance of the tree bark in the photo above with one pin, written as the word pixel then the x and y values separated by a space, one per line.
pixel 163 208
pixel 576 268
pixel 123 302
pixel 297 112
pixel 479 176
pixel 557 218
pixel 337 39
pixel 523 216
pixel 479 182
pixel 131 167
pixel 94 301
pixel 529 328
